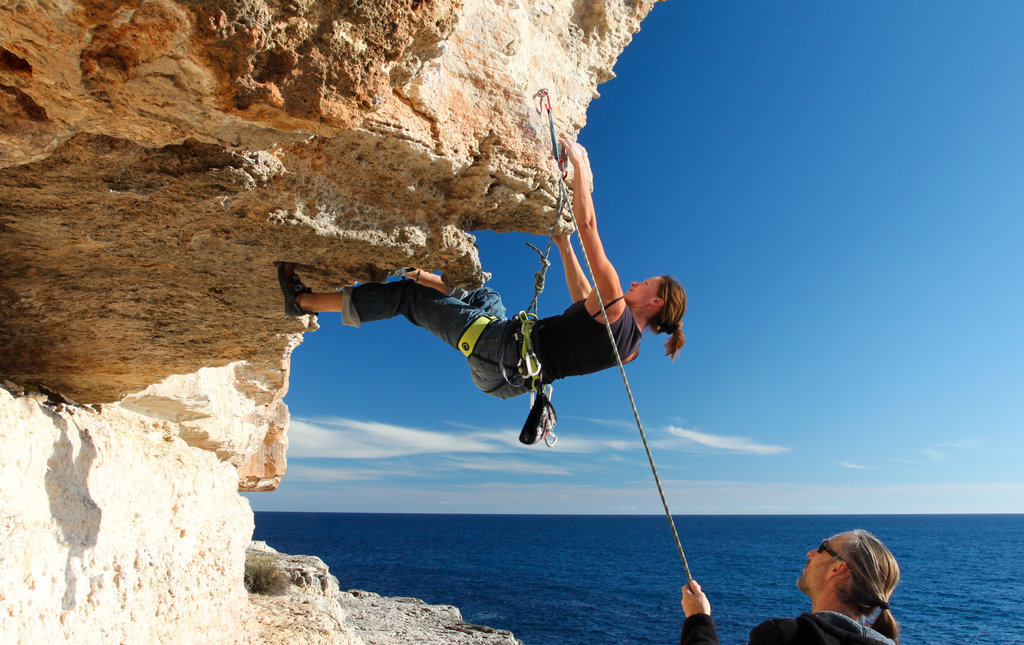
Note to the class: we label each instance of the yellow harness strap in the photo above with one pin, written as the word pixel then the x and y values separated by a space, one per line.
pixel 472 334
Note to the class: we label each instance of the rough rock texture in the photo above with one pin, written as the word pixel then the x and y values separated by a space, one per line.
pixel 236 411
pixel 399 621
pixel 309 612
pixel 115 530
pixel 156 158
pixel 315 611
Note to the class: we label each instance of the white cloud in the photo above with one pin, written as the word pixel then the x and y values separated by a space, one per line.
pixel 341 438
pixel 846 464
pixel 571 439
pixel 611 423
pixel 351 439
pixel 735 444
pixel 298 472
pixel 506 466
pixel 938 451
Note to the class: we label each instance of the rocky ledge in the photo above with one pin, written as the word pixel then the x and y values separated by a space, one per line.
pixel 301 602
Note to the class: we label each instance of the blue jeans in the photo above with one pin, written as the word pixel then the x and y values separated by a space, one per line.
pixel 447 317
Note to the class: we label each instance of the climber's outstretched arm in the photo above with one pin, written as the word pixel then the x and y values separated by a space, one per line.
pixel 575 278
pixel 586 221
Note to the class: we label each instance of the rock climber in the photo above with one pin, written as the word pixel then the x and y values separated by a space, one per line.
pixel 572 343
pixel 847 578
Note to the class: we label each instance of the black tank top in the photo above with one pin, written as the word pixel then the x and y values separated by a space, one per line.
pixel 574 342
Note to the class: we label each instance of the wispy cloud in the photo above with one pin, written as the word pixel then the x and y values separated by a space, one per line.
pixel 611 423
pixel 722 442
pixel 344 472
pixel 846 464
pixel 940 451
pixel 352 439
pixel 341 438
pixel 515 466
pixel 299 472
pixel 571 439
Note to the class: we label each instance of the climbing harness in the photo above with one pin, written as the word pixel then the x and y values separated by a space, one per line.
pixel 540 423
pixel 467 343
pixel 563 190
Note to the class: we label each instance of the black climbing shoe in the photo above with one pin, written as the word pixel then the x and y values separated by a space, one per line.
pixel 291 286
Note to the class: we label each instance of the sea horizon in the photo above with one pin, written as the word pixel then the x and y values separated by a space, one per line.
pixel 615 578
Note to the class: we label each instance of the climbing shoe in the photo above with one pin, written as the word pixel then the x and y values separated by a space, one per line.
pixel 291 286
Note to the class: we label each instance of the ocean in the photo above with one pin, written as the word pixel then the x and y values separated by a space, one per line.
pixel 615 579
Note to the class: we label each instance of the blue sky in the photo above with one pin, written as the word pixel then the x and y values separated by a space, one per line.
pixel 839 188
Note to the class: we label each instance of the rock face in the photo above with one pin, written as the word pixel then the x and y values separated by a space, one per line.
pixel 236 411
pixel 307 611
pixel 156 158
pixel 395 621
pixel 115 530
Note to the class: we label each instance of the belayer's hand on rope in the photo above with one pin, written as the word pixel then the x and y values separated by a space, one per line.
pixel 694 601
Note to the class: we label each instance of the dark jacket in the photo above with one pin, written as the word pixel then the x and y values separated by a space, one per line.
pixel 823 628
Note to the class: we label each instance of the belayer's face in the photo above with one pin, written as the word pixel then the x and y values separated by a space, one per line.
pixel 819 561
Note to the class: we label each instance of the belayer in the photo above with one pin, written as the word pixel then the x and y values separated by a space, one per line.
pixel 848 577
pixel 572 343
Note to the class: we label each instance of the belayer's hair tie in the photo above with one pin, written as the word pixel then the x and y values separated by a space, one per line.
pixel 670 328
pixel 884 606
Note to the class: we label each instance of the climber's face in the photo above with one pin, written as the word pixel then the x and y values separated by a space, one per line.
pixel 644 293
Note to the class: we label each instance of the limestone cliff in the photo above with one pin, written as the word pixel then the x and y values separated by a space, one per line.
pixel 156 157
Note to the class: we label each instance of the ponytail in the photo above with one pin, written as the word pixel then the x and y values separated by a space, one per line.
pixel 669 320
pixel 886 625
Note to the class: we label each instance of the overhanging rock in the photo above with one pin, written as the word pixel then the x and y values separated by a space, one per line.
pixel 158 156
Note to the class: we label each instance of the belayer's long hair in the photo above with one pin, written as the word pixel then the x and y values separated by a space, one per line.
pixel 875 575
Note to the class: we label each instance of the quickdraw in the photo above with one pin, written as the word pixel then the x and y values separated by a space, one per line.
pixel 556 150
pixel 529 366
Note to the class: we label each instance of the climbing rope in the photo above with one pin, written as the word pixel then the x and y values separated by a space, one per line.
pixel 563 199
pixel 563 190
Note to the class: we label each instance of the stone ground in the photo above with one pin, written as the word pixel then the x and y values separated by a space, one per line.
pixel 400 621
pixel 314 611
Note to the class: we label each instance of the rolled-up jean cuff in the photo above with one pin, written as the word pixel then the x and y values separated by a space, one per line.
pixel 349 315
pixel 461 294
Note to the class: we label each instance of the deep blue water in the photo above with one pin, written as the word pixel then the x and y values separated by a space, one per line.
pixel 561 580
